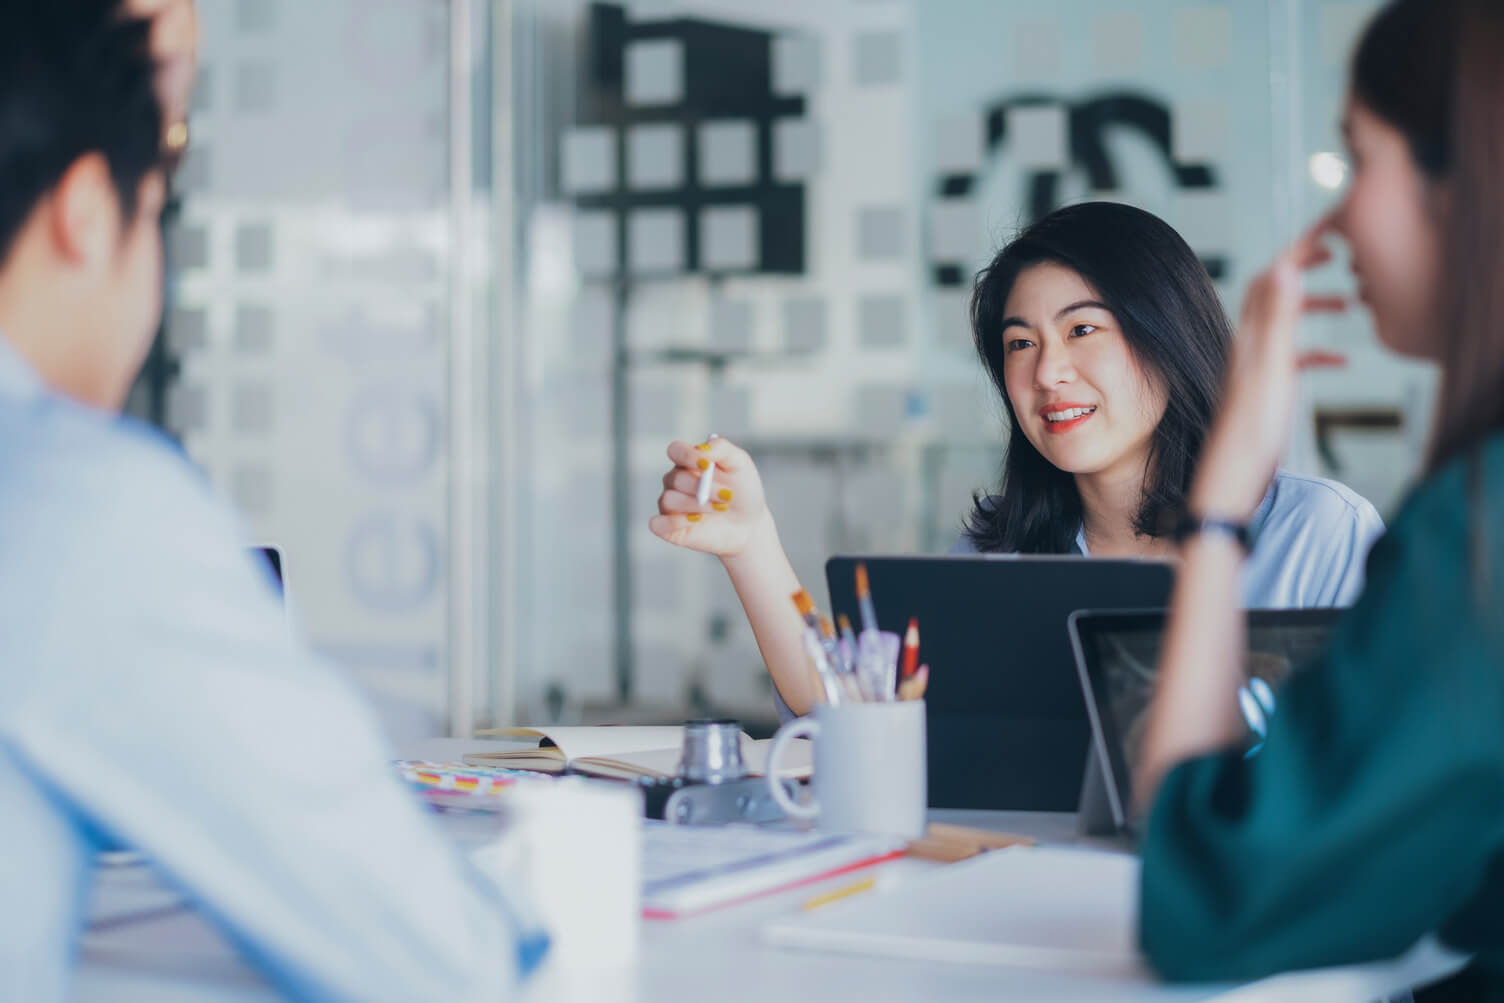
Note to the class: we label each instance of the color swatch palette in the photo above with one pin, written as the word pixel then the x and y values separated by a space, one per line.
pixel 457 778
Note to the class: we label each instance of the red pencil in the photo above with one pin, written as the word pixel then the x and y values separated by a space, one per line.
pixel 911 649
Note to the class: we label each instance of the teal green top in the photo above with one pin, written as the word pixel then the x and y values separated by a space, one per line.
pixel 1375 813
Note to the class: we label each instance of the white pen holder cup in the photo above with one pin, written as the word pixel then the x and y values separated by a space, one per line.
pixel 870 768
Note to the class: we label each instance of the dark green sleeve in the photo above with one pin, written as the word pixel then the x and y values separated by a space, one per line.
pixel 1370 816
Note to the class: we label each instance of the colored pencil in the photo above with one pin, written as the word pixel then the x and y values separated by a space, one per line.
pixel 911 649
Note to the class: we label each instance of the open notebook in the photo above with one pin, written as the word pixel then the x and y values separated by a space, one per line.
pixel 624 753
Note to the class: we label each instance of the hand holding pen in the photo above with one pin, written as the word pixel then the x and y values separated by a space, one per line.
pixel 733 504
pixel 174 43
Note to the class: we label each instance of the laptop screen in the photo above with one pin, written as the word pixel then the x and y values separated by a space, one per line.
pixel 1117 655
pixel 272 558
pixel 1007 727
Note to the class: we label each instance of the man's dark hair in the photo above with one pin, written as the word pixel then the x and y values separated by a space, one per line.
pixel 76 77
pixel 1173 321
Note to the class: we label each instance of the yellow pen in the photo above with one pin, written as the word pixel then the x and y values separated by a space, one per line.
pixel 865 885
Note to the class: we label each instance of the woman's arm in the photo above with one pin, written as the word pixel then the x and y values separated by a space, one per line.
pixel 1195 704
pixel 1196 698
pixel 765 582
pixel 1370 815
pixel 737 526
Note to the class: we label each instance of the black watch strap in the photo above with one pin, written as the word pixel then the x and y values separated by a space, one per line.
pixel 1191 525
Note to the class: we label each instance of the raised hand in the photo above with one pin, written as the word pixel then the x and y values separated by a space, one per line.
pixel 726 523
pixel 1253 424
pixel 174 46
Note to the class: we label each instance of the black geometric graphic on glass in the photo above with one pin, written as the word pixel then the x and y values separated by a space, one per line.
pixel 1088 123
pixel 727 75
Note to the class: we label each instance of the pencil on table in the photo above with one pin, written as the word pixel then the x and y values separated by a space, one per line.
pixel 865 885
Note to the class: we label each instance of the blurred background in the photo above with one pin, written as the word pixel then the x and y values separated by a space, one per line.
pixel 446 277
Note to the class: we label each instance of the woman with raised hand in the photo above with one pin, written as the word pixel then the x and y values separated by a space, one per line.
pixel 1374 813
pixel 1104 336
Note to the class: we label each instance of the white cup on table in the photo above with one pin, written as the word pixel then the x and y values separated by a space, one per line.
pixel 870 768
pixel 575 845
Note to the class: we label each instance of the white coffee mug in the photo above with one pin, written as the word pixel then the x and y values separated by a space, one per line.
pixel 575 847
pixel 870 768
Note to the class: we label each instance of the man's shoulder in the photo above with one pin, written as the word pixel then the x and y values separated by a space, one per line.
pixel 91 474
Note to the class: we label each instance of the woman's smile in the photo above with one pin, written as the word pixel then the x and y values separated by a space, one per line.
pixel 1063 417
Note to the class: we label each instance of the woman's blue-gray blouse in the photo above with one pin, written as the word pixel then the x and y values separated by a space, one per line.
pixel 1311 537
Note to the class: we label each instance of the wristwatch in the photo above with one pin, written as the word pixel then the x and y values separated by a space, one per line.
pixel 1191 525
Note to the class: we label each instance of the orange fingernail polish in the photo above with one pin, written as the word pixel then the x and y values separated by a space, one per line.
pixel 703 463
pixel 720 506
pixel 725 494
pixel 703 447
pixel 694 517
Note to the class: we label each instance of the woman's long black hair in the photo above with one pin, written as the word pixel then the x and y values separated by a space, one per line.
pixel 1431 69
pixel 1169 312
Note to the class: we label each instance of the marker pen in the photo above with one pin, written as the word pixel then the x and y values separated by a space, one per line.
pixel 702 494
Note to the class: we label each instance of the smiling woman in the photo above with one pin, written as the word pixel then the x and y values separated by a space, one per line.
pixel 1099 305
pixel 1107 342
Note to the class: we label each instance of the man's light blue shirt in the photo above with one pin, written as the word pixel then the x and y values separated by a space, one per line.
pixel 153 696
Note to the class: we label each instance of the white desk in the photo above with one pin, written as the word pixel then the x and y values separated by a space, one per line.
pixel 167 954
